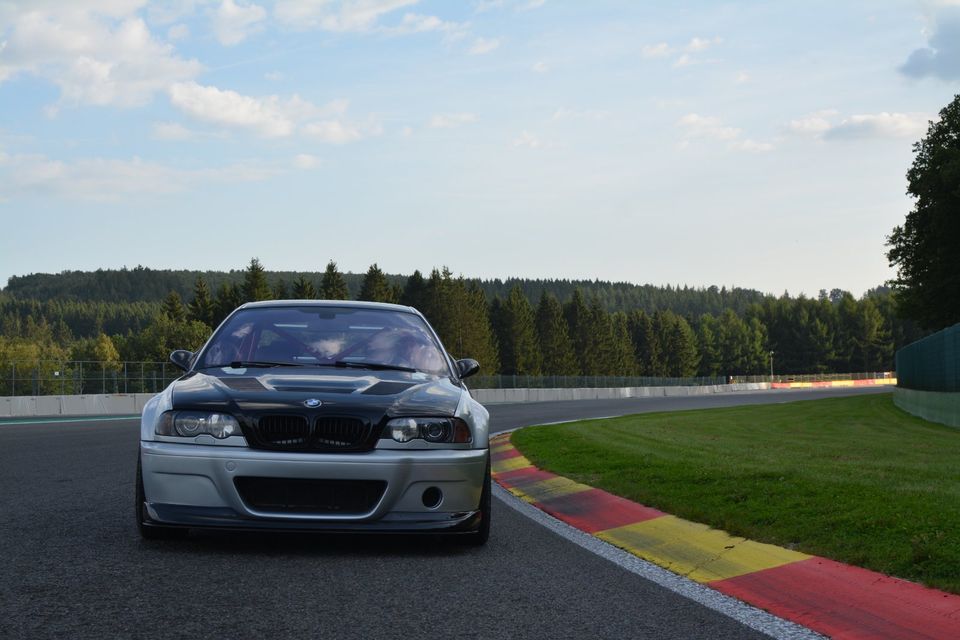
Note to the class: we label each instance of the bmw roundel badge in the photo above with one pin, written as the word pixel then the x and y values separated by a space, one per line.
pixel 313 403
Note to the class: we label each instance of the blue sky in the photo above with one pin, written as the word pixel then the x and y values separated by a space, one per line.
pixel 756 144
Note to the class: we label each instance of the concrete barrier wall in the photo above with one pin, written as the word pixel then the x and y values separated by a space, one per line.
pixel 88 405
pixel 132 403
pixel 936 406
pixel 499 396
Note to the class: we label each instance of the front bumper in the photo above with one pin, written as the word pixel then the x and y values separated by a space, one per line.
pixel 191 485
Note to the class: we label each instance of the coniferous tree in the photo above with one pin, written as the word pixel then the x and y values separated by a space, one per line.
pixel 683 359
pixel 479 342
pixel 415 292
pixel 622 359
pixel 375 287
pixel 645 343
pixel 583 333
pixel 519 352
pixel 555 344
pixel 602 347
pixel 173 307
pixel 707 344
pixel 201 307
pixel 255 286
pixel 332 285
pixel 280 290
pixel 303 289
pixel 229 297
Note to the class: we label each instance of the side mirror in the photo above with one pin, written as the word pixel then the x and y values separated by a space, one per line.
pixel 181 358
pixel 467 367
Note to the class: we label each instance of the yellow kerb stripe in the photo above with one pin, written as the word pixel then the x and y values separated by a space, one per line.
pixel 552 488
pixel 697 551
pixel 510 464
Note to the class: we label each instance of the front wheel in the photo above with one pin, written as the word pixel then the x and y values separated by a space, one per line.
pixel 148 532
pixel 479 537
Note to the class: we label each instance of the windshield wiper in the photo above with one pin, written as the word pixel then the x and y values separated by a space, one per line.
pixel 244 364
pixel 375 366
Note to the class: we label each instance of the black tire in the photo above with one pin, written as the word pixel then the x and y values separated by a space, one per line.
pixel 479 537
pixel 152 532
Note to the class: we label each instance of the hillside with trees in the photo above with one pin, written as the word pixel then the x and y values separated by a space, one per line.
pixel 523 327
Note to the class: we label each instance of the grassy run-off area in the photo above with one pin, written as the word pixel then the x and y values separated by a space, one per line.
pixel 854 479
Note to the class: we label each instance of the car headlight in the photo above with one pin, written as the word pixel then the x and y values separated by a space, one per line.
pixel 187 424
pixel 429 429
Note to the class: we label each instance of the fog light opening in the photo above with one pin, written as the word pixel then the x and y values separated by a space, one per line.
pixel 432 497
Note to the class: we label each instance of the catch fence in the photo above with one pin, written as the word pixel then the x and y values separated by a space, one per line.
pixel 48 377
pixel 931 364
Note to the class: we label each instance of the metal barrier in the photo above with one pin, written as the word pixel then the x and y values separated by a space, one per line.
pixel 931 364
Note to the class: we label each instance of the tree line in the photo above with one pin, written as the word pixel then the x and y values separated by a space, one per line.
pixel 512 333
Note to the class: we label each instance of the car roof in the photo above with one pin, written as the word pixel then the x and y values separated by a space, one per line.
pixel 354 304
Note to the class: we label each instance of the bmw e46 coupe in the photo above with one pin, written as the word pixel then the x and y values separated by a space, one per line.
pixel 316 416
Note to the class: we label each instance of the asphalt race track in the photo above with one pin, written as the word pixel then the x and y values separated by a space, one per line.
pixel 74 566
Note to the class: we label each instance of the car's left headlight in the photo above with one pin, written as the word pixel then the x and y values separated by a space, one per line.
pixel 187 424
pixel 435 430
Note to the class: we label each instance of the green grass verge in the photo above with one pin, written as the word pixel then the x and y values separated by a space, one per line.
pixel 854 479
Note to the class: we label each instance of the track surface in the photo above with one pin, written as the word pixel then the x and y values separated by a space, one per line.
pixel 74 566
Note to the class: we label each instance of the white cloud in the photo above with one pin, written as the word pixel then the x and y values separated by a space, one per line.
pixel 743 77
pixel 451 120
pixel 481 46
pixel 753 146
pixel 107 179
pixel 269 116
pixel 417 23
pixel 531 4
pixel 658 50
pixel 696 126
pixel 233 22
pixel 696 45
pixel 178 32
pixel 825 125
pixel 333 131
pixel 171 131
pixel 305 161
pixel 564 113
pixel 527 139
pixel 880 125
pixel 540 67
pixel 345 15
pixel 814 124
pixel 488 5
pixel 98 54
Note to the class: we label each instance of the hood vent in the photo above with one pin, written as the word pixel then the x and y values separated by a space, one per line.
pixel 243 384
pixel 387 388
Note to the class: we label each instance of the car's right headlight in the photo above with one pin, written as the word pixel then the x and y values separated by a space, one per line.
pixel 434 430
pixel 187 424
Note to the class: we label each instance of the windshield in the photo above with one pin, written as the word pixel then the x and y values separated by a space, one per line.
pixel 318 336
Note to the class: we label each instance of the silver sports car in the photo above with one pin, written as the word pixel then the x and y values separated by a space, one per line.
pixel 318 416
